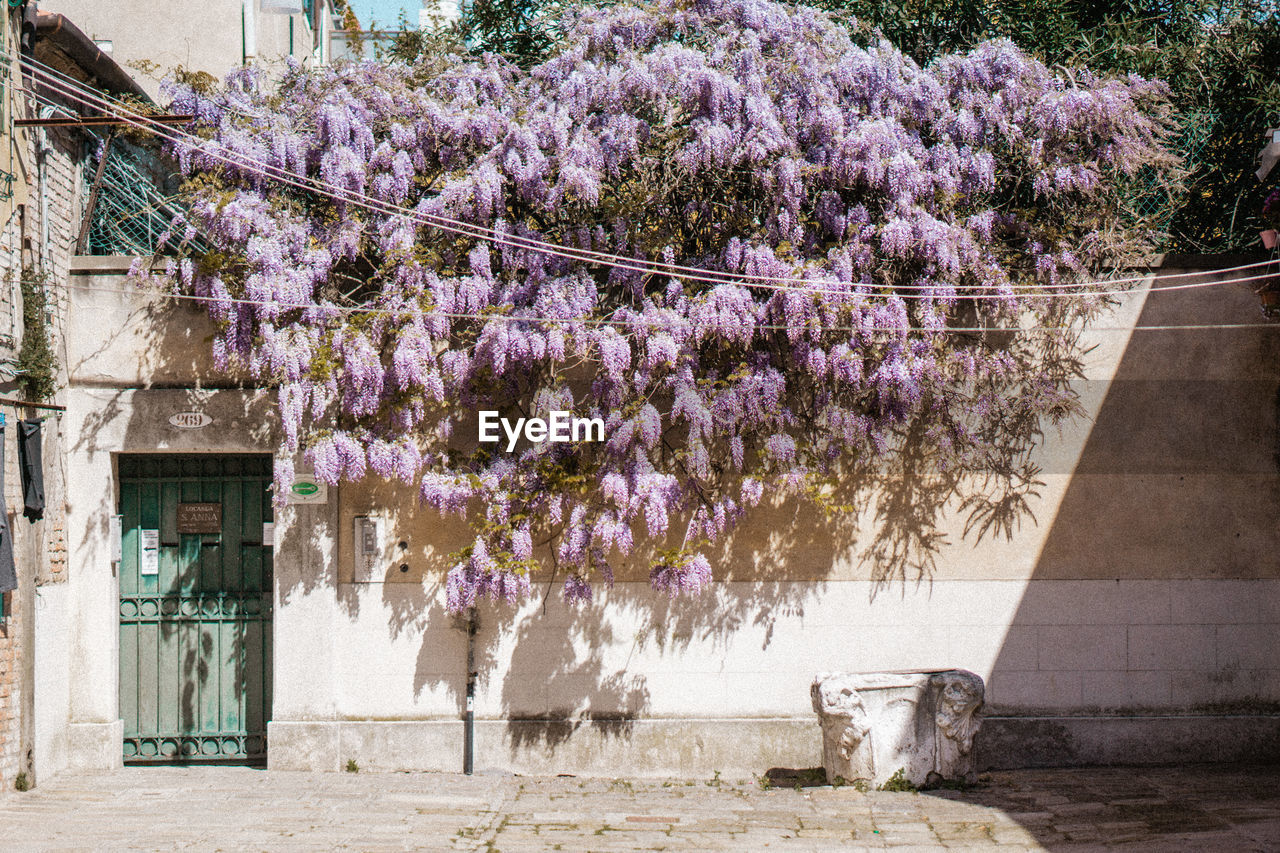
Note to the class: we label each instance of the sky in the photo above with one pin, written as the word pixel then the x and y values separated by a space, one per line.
pixel 384 11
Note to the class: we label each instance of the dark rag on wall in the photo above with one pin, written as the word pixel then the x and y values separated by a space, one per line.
pixel 8 577
pixel 31 465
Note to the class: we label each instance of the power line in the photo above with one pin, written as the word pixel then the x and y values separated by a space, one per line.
pixel 630 323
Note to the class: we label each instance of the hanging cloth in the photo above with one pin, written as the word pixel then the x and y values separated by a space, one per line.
pixel 31 466
pixel 8 577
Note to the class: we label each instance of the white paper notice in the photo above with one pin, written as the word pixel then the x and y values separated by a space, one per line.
pixel 117 538
pixel 150 562
pixel 268 533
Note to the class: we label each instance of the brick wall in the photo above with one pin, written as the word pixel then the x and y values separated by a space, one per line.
pixel 63 190
pixel 13 645
pixel 12 745
pixel 40 549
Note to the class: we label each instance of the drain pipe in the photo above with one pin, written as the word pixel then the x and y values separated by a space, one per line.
pixel 248 32
pixel 43 150
pixel 469 736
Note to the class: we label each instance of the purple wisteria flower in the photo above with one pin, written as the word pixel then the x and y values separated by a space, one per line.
pixel 854 209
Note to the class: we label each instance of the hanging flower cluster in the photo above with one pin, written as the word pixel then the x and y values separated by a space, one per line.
pixel 882 205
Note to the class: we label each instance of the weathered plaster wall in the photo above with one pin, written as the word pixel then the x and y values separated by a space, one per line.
pixel 110 411
pixel 196 35
pixel 1142 585
pixel 36 237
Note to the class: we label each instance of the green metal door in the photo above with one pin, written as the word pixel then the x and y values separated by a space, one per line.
pixel 195 608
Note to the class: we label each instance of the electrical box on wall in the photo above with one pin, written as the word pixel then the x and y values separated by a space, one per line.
pixel 380 551
pixel 367 540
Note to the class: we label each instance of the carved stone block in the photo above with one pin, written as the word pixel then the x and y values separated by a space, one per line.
pixel 876 723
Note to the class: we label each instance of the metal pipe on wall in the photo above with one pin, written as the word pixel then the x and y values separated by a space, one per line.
pixel 42 155
pixel 249 31
pixel 469 735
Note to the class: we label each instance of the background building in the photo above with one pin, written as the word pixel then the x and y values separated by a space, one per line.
pixel 214 36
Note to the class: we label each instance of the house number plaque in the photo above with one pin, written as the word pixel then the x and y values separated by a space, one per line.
pixel 190 420
pixel 200 518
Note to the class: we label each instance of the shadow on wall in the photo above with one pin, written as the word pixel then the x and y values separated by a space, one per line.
pixel 1150 593
pixel 187 629
pixel 1156 595
pixel 556 669
pixel 579 686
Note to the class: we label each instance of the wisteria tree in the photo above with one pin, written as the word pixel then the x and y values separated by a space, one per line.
pixel 761 253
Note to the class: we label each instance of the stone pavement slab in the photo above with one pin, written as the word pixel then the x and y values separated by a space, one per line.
pixel 235 808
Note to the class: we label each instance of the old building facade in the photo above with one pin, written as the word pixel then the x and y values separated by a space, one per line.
pixel 40 200
pixel 1129 618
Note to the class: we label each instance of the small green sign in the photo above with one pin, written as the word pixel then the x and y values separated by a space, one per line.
pixel 305 490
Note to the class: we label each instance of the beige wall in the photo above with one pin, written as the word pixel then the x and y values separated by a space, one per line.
pixel 131 364
pixel 36 231
pixel 1144 583
pixel 198 35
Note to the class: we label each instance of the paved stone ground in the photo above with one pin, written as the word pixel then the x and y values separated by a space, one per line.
pixel 212 808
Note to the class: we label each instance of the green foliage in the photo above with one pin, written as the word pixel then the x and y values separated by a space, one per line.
pixel 22 783
pixel 1220 59
pixel 899 783
pixel 200 81
pixel 814 776
pixel 352 767
pixel 521 31
pixel 37 364
pixel 351 28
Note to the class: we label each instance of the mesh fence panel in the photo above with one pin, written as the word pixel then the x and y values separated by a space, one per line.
pixel 132 209
pixel 1152 199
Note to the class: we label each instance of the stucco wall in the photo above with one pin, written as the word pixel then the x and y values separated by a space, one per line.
pixel 132 362
pixel 36 227
pixel 196 35
pixel 1143 584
